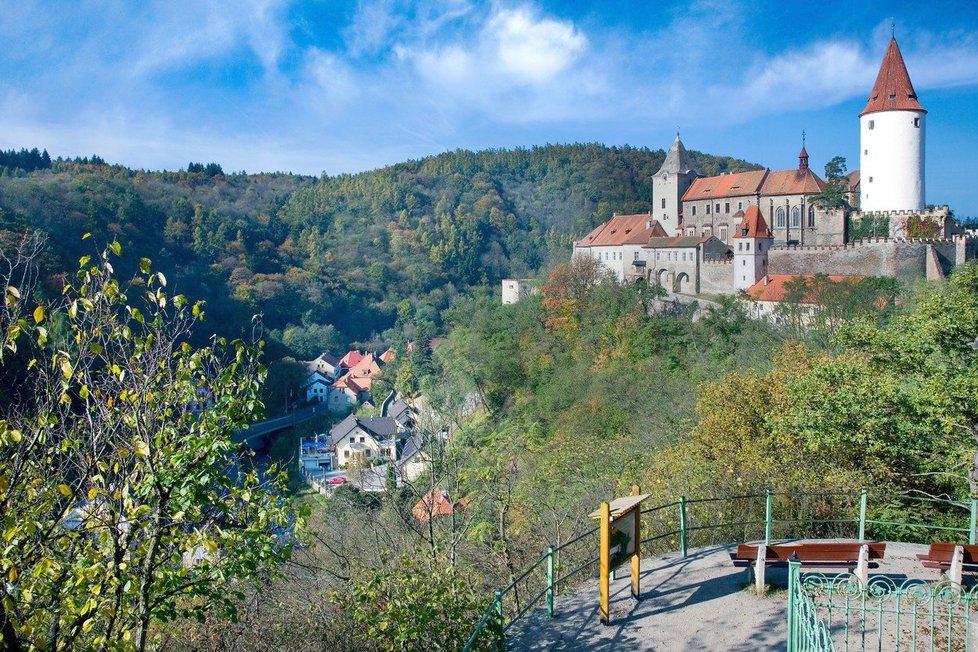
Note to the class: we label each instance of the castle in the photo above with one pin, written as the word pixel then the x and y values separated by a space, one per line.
pixel 727 234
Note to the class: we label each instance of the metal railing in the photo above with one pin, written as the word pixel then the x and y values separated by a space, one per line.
pixel 698 522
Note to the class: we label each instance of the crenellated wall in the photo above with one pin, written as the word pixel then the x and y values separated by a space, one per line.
pixel 717 277
pixel 902 258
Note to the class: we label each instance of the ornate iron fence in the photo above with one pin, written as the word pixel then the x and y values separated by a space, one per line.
pixel 884 614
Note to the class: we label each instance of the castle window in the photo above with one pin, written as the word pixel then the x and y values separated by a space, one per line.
pixel 663 202
pixel 866 152
pixel 723 233
pixel 747 246
pixel 636 256
pixel 916 122
pixel 872 124
pixel 779 218
pixel 740 246
pixel 726 207
pixel 708 206
pixel 694 211
pixel 718 209
pixel 740 205
pixel 871 181
pixel 811 217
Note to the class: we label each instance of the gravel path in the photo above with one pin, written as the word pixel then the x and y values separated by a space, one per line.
pixel 698 603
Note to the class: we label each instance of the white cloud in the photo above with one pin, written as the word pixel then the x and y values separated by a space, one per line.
pixel 533 49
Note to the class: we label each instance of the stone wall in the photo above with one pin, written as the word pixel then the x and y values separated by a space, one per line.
pixel 904 259
pixel 717 277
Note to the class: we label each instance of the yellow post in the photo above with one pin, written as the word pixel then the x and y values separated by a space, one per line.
pixel 605 565
pixel 637 557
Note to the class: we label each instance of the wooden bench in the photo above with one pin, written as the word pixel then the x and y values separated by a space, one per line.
pixel 953 558
pixel 854 556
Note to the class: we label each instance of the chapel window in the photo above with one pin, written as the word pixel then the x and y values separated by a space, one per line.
pixel 795 216
pixel 779 218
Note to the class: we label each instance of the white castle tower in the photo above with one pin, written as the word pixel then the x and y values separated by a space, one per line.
pixel 751 243
pixel 891 138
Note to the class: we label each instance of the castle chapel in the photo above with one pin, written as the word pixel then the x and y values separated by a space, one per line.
pixel 731 233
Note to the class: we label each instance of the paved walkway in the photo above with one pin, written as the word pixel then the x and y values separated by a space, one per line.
pixel 698 603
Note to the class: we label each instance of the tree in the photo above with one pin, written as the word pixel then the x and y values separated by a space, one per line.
pixel 835 194
pixel 125 506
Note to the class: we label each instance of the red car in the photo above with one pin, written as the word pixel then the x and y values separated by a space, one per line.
pixel 337 480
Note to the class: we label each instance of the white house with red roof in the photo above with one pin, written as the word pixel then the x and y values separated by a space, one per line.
pixel 619 243
pixel 763 297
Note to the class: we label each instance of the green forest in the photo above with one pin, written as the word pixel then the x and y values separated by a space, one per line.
pixel 331 261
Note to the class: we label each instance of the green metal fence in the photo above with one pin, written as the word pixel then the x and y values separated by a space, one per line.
pixel 692 523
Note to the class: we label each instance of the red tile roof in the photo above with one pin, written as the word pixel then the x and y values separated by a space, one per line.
pixel 621 229
pixel 360 377
pixel 892 90
pixel 726 185
pixel 771 287
pixel 792 182
pixel 351 359
pixel 753 225
pixel 679 241
pixel 436 503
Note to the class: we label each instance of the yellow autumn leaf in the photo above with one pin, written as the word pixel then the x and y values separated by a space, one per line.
pixel 141 448
pixel 64 489
pixel 39 314
pixel 92 493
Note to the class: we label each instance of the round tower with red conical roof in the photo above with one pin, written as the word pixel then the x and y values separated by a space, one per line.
pixel 891 138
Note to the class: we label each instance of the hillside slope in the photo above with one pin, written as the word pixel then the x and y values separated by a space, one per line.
pixel 348 250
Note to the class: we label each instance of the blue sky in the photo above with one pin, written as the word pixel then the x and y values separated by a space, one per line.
pixel 313 86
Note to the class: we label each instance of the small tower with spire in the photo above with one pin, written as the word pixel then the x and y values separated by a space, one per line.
pixel 891 138
pixel 669 185
pixel 751 243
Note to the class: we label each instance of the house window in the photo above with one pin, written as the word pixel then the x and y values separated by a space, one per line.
pixel 346 453
pixel 726 207
pixel 363 439
pixel 872 124
pixel 811 217
pixel 916 122
pixel 779 218
pixel 636 256
pixel 663 202
pixel 708 206
pixel 795 216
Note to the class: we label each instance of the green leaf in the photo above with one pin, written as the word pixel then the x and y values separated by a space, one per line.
pixel 115 247
pixel 145 264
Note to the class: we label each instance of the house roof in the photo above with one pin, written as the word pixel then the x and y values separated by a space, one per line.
pixel 753 225
pixel 315 378
pixel 411 447
pixel 737 184
pixel 361 375
pixel 681 241
pixel 351 359
pixel 376 427
pixel 893 90
pixel 792 182
pixel 436 503
pixel 677 161
pixel 854 178
pixel 620 229
pixel 387 356
pixel 772 286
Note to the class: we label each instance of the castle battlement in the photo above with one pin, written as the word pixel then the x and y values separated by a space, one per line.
pixel 934 211
pixel 717 263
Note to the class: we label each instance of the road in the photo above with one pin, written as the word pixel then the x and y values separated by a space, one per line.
pixel 263 428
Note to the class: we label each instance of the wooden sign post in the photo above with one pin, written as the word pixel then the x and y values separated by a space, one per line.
pixel 620 540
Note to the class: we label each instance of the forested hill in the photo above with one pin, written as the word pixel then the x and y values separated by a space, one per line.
pixel 344 251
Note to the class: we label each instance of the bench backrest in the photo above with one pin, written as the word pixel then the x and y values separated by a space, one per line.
pixel 814 552
pixel 944 551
